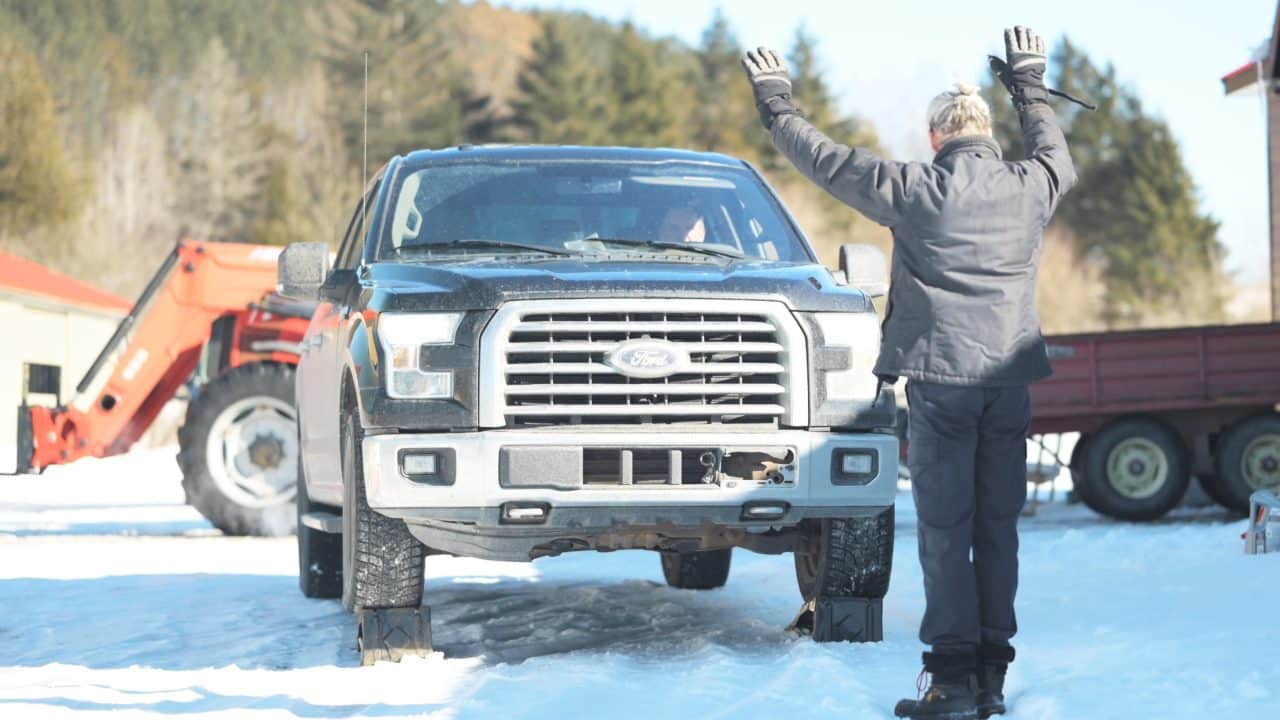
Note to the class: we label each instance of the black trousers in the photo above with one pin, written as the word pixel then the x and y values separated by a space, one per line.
pixel 967 454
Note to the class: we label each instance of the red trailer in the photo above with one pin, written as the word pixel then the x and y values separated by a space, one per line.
pixel 1155 407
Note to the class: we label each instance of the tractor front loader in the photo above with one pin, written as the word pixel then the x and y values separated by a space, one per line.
pixel 210 317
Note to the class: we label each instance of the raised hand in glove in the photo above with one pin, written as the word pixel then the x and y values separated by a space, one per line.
pixel 1022 70
pixel 771 83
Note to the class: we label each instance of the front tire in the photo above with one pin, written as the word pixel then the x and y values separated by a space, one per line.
pixel 845 557
pixel 1247 460
pixel 382 563
pixel 703 570
pixel 238 451
pixel 1135 469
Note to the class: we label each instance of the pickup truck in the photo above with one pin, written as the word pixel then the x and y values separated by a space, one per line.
pixel 520 352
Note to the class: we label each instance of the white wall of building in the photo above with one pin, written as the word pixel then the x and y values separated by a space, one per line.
pixel 41 330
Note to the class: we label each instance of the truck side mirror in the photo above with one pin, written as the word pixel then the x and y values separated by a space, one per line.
pixel 865 268
pixel 302 269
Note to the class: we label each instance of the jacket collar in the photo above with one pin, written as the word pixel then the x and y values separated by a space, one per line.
pixel 980 145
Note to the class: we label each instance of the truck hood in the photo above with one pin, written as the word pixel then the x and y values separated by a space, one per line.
pixel 487 284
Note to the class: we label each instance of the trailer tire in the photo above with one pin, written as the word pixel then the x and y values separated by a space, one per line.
pixel 1247 460
pixel 1135 469
pixel 319 553
pixel 382 562
pixel 845 557
pixel 248 410
pixel 702 570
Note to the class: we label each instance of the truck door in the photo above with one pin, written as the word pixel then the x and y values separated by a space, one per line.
pixel 321 372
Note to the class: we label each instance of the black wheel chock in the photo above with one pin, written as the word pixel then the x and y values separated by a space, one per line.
pixel 390 634
pixel 840 619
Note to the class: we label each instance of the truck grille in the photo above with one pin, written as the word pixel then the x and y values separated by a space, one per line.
pixel 556 371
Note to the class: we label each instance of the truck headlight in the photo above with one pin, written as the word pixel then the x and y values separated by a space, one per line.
pixel 844 354
pixel 403 336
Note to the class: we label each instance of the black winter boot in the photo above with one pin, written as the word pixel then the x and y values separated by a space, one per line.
pixel 993 663
pixel 952 691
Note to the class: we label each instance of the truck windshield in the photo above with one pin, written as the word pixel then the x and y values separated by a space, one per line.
pixel 531 208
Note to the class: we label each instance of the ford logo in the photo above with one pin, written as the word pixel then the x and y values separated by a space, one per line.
pixel 647 358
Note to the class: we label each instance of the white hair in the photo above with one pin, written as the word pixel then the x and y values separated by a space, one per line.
pixel 961 111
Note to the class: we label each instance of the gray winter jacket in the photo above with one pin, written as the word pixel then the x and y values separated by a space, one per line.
pixel 967 231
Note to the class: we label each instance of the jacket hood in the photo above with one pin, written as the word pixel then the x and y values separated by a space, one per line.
pixel 485 284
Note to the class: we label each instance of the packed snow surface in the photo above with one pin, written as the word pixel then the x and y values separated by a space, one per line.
pixel 116 598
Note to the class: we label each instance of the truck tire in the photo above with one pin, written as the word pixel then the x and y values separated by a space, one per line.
pixel 1076 468
pixel 704 570
pixel 382 563
pixel 238 451
pixel 319 553
pixel 1135 469
pixel 849 557
pixel 1247 460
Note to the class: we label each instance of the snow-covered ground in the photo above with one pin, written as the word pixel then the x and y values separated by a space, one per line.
pixel 116 598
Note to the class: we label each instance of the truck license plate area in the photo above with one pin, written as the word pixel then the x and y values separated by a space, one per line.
pixel 687 467
pixel 574 468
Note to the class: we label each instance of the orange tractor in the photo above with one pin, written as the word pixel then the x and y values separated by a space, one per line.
pixel 209 314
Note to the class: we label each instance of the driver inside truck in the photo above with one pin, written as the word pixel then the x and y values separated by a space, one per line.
pixel 683 224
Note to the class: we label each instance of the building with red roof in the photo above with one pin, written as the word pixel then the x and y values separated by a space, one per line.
pixel 54 326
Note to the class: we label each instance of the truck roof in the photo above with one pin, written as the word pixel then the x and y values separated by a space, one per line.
pixel 569 152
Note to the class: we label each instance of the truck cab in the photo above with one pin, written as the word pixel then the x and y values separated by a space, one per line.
pixel 526 351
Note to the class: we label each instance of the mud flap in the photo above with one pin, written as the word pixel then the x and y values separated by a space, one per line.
pixel 839 619
pixel 390 634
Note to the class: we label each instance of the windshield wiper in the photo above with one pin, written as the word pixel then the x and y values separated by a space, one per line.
pixel 714 250
pixel 482 243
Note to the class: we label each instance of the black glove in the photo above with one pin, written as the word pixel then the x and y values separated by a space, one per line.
pixel 772 85
pixel 1022 72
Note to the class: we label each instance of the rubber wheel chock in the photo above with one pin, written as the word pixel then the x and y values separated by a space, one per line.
pixel 390 634
pixel 837 619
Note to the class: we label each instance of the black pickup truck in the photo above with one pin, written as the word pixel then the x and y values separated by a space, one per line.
pixel 526 351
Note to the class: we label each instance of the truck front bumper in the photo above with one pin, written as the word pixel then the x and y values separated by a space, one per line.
pixel 551 478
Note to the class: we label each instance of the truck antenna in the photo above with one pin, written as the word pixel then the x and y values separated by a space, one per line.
pixel 364 151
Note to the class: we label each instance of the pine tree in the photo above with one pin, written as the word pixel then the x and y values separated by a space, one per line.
pixel 1135 205
pixel 724 117
pixel 411 81
pixel 558 97
pixel 37 185
pixel 220 151
pixel 647 110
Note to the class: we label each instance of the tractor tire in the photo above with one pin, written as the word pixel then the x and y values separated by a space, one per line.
pixel 1135 469
pixel 319 553
pixel 238 451
pixel 1247 460
pixel 704 570
pixel 849 557
pixel 382 562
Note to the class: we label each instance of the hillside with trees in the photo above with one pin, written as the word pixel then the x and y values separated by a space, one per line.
pixel 127 123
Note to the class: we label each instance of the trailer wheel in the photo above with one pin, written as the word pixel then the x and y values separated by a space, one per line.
pixel 1248 460
pixel 238 450
pixel 704 570
pixel 319 553
pixel 848 557
pixel 382 562
pixel 1135 469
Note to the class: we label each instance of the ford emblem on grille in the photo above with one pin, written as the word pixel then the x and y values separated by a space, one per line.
pixel 647 358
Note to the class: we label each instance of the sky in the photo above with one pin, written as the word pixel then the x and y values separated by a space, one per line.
pixel 887 59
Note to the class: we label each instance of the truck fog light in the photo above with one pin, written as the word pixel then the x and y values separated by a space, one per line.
pixel 428 467
pixel 854 467
pixel 855 463
pixel 424 463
